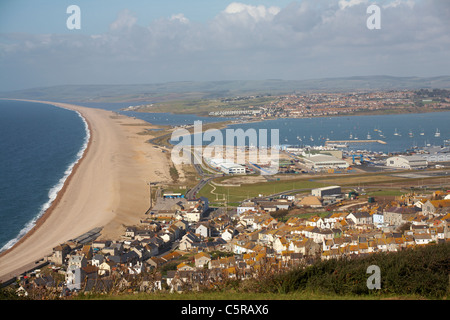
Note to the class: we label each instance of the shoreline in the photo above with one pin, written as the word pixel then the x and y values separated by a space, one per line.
pixel 97 191
pixel 46 214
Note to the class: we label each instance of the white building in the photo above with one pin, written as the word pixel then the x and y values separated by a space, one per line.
pixel 326 191
pixel 407 162
pixel 320 162
pixel 232 168
pixel 244 207
pixel 227 166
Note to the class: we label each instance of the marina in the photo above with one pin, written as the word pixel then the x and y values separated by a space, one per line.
pixel 346 142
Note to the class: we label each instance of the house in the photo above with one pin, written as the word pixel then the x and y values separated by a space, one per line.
pixel 318 235
pixel 241 247
pixel 77 261
pixel 184 267
pixel 399 215
pixel 155 262
pixel 188 240
pixel 113 249
pixel 202 259
pixel 378 219
pixel 182 225
pixel 315 221
pixel 310 201
pixel 360 218
pixel 304 246
pixel 203 230
pixel 60 253
pixel 195 209
pixel 74 278
pixel 280 244
pixel 267 236
pixel 228 234
pixel 244 207
pixel 436 207
pixel 44 281
pixel 151 248
pixel 97 260
pixel 106 267
pixel 130 232
pixel 422 238
pixel 86 250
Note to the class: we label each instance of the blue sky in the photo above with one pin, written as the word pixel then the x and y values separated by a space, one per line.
pixel 136 41
pixel 49 16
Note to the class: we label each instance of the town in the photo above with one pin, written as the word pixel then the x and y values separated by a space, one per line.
pixel 184 244
pixel 332 104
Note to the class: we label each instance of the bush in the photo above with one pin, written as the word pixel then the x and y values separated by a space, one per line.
pixel 422 271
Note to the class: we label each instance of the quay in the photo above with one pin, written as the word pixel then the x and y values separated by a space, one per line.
pixel 353 141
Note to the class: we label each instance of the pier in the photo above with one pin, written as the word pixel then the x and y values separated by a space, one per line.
pixel 354 141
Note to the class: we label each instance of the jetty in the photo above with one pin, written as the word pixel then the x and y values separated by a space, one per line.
pixel 354 141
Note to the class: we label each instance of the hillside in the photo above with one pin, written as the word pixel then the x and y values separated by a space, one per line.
pixel 160 92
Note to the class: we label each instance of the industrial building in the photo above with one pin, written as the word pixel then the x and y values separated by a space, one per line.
pixel 326 191
pixel 407 162
pixel 232 168
pixel 320 162
pixel 227 167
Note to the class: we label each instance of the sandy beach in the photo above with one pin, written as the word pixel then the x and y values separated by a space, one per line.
pixel 108 188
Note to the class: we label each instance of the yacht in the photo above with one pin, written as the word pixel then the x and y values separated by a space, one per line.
pixel 437 134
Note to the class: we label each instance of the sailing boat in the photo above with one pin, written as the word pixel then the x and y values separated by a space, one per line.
pixel 437 134
pixel 411 134
pixel 369 136
pixel 395 133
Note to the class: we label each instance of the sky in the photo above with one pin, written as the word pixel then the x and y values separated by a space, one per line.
pixel 148 41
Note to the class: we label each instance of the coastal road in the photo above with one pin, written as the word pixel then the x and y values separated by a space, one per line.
pixel 191 194
pixel 205 178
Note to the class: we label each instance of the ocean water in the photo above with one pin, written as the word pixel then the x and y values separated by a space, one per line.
pixel 39 146
pixel 399 132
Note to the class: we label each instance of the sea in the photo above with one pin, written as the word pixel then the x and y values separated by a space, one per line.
pixel 40 144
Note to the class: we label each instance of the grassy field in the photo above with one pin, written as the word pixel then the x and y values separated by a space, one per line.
pixel 204 106
pixel 375 184
pixel 246 191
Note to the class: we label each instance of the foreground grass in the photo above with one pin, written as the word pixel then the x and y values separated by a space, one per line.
pixel 192 296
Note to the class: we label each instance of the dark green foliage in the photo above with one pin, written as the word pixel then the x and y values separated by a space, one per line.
pixel 421 271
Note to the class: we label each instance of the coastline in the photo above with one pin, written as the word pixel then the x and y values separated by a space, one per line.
pixel 115 160
pixel 40 220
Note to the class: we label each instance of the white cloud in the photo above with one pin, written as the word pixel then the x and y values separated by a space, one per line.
pixel 179 17
pixel 125 20
pixel 396 3
pixel 350 3
pixel 307 39
pixel 256 12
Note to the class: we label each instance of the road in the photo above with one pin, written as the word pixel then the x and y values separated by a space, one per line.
pixel 205 178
